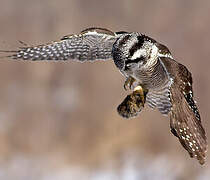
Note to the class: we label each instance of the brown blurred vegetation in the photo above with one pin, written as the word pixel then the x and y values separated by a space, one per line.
pixel 55 115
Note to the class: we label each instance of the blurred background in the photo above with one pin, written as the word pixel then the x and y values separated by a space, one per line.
pixel 58 120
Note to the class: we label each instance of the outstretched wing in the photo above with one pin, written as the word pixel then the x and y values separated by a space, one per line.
pixel 91 44
pixel 185 121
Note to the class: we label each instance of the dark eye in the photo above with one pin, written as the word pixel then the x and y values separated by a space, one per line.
pixel 134 61
pixel 139 59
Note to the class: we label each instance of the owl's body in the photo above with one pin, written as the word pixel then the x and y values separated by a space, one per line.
pixel 144 62
pixel 135 49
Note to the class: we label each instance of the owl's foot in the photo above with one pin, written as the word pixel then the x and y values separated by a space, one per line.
pixel 133 103
pixel 128 85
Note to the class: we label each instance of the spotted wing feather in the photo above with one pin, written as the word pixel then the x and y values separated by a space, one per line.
pixel 185 121
pixel 91 44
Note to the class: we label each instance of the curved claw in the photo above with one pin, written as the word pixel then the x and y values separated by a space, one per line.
pixel 125 87
pixel 129 83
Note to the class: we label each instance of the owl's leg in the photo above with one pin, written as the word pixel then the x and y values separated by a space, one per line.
pixel 129 83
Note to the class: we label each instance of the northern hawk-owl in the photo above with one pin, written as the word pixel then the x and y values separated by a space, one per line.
pixel 150 71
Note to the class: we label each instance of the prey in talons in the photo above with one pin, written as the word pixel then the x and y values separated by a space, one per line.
pixel 133 103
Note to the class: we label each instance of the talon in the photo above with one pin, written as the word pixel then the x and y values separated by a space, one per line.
pixel 125 86
pixel 129 83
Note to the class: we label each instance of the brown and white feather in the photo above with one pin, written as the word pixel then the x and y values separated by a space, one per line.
pixel 185 121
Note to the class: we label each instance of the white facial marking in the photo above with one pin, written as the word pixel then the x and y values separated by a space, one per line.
pixel 138 54
pixel 153 57
pixel 154 52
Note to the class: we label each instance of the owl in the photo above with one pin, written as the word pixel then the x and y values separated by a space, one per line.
pixel 151 73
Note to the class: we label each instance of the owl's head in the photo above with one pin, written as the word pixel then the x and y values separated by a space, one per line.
pixel 135 50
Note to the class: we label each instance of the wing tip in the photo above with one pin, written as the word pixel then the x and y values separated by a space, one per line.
pixel 200 156
pixel 13 54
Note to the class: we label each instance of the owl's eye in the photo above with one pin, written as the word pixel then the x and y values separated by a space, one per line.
pixel 140 59
pixel 134 61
